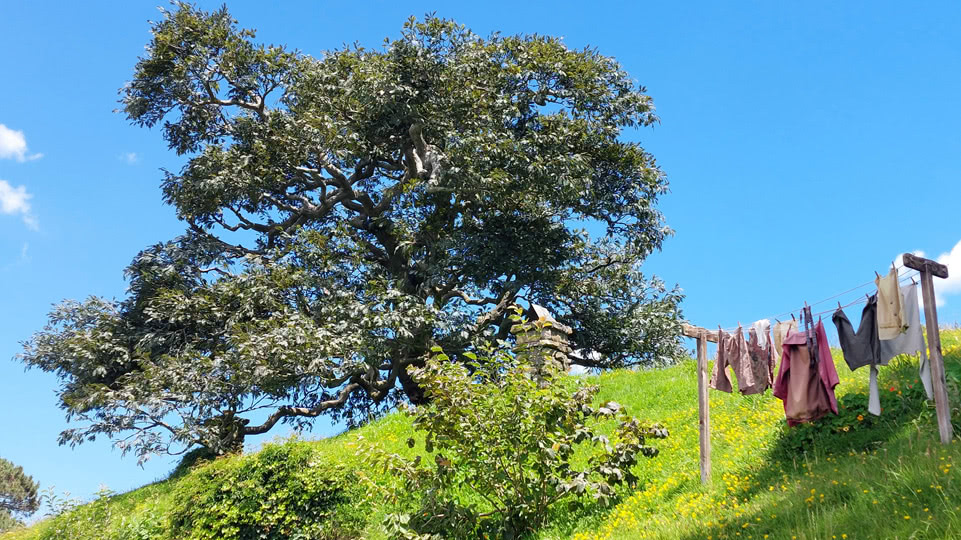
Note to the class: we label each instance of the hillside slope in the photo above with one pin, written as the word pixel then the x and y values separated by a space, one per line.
pixel 853 476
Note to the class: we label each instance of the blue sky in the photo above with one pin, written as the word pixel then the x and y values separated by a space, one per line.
pixel 807 144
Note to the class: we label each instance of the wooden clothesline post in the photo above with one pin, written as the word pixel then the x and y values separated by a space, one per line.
pixel 929 268
pixel 702 335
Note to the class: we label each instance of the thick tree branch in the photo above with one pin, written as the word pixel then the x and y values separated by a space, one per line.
pixel 316 410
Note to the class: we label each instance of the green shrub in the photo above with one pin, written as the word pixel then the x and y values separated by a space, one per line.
pixel 8 522
pixel 70 518
pixel 507 444
pixel 286 491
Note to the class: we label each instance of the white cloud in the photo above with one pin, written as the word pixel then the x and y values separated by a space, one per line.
pixel 951 285
pixel 13 145
pixel 14 201
pixel 942 287
pixel 129 158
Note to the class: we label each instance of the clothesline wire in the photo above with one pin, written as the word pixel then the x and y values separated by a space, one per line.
pixel 901 278
pixel 838 295
pixel 862 300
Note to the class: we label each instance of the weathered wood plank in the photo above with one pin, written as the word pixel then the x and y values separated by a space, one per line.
pixel 921 264
pixel 692 331
pixel 942 409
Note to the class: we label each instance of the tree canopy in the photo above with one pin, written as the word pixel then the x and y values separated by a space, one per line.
pixel 18 494
pixel 347 212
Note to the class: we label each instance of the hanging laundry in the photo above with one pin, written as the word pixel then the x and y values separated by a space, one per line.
pixel 761 350
pixel 807 390
pixel 781 330
pixel 763 330
pixel 890 306
pixel 809 336
pixel 863 348
pixel 912 340
pixel 731 351
pixel 752 365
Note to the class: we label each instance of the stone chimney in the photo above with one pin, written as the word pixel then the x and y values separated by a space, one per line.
pixel 547 341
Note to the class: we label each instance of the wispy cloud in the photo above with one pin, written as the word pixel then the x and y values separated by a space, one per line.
pixel 23 259
pixel 13 145
pixel 15 201
pixel 130 158
pixel 943 287
pixel 951 285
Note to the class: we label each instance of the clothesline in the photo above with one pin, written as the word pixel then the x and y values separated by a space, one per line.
pixel 901 278
pixel 856 348
pixel 861 300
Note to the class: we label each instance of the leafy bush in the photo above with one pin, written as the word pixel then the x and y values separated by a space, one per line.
pixel 69 515
pixel 515 443
pixel 283 492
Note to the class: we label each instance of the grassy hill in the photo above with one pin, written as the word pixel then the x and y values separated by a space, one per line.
pixel 852 476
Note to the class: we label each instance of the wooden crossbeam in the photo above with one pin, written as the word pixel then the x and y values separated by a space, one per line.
pixel 925 265
pixel 695 332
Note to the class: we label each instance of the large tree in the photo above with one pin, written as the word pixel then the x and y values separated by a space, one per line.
pixel 18 495
pixel 345 213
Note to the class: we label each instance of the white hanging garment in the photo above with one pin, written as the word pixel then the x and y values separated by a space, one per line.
pixel 912 340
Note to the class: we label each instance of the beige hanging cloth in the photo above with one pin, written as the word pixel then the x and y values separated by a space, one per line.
pixel 891 317
pixel 781 330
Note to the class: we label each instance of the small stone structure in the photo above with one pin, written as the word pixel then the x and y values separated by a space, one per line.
pixel 547 341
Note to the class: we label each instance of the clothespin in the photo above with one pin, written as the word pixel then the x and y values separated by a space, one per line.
pixel 793 318
pixel 777 320
pixel 877 275
pixel 912 280
pixel 839 304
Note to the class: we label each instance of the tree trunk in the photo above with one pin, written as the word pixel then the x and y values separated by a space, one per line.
pixel 412 390
pixel 230 433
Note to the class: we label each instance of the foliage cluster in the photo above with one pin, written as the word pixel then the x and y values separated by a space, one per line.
pixel 517 439
pixel 7 522
pixel 285 491
pixel 67 514
pixel 18 495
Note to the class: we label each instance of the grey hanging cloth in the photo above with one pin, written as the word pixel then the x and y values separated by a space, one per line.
pixel 862 348
pixel 812 343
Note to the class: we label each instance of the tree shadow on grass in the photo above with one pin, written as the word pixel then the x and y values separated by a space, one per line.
pixel 842 439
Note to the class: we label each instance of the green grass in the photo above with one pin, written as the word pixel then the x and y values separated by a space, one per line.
pixel 852 476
